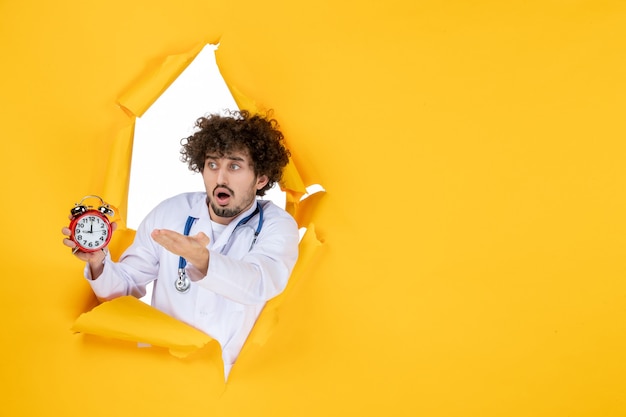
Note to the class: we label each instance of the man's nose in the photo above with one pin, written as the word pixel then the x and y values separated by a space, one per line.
pixel 222 176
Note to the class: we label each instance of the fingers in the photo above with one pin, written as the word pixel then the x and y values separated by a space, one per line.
pixel 72 245
pixel 202 239
pixel 168 237
pixel 69 243
pixel 180 244
pixel 163 235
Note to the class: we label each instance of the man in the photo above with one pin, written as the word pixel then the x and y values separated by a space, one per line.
pixel 237 251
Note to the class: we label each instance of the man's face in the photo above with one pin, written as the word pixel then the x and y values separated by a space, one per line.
pixel 231 185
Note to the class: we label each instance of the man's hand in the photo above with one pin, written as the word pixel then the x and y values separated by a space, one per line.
pixel 192 248
pixel 94 259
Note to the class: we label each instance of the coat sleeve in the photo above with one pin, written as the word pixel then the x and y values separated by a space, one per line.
pixel 262 273
pixel 137 267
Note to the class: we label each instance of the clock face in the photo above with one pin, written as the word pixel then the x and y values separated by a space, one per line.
pixel 91 231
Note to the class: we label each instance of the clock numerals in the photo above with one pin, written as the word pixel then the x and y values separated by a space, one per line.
pixel 91 232
pixel 92 244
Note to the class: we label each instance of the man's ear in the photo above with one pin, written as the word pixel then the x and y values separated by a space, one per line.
pixel 261 181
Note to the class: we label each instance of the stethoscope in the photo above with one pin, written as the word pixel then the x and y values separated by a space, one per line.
pixel 183 283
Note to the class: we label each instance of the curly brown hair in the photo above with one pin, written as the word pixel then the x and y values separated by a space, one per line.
pixel 241 131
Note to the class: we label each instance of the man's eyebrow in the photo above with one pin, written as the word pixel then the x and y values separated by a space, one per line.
pixel 231 157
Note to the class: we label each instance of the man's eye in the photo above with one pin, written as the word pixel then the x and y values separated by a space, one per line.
pixel 211 165
pixel 234 167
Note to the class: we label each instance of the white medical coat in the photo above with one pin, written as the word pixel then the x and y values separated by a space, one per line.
pixel 227 301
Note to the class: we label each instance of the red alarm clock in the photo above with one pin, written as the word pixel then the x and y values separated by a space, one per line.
pixel 90 228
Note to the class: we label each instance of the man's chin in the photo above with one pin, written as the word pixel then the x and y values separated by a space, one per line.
pixel 224 212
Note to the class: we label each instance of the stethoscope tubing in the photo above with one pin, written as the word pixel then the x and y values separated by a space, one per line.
pixel 182 283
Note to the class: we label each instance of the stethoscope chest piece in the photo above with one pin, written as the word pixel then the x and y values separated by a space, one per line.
pixel 183 283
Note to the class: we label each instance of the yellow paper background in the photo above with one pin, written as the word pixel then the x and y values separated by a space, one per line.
pixel 473 224
pixel 126 317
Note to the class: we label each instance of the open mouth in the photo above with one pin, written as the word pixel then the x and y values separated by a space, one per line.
pixel 222 196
